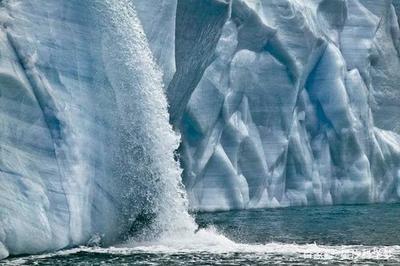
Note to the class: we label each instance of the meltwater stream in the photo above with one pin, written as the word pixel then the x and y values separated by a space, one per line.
pixel 147 141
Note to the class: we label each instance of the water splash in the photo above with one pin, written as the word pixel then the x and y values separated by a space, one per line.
pixel 152 197
pixel 226 253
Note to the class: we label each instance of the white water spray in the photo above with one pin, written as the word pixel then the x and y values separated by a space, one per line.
pixel 145 159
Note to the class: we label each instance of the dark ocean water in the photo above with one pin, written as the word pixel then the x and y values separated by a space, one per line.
pixel 369 225
pixel 330 235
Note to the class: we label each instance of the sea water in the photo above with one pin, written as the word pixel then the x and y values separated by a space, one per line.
pixel 328 235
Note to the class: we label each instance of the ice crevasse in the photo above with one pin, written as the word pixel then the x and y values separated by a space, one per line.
pixel 278 103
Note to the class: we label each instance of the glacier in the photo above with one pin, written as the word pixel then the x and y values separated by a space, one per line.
pixel 80 159
pixel 277 103
pixel 297 104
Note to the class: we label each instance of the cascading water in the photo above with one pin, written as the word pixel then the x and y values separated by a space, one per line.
pixel 99 156
pixel 154 202
pixel 145 158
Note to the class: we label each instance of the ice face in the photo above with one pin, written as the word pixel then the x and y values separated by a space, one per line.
pixel 298 106
pixel 83 115
pixel 278 103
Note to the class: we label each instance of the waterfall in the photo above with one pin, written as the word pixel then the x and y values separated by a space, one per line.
pixel 151 193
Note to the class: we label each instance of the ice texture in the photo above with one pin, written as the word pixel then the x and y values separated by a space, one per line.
pixel 278 103
pixel 299 105
pixel 86 147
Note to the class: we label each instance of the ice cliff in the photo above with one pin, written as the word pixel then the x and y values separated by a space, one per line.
pixel 87 151
pixel 291 102
pixel 278 103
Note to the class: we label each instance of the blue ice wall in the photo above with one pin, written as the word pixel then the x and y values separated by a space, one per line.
pixel 277 102
pixel 298 105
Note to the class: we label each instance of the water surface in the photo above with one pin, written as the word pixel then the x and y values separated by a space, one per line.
pixel 330 235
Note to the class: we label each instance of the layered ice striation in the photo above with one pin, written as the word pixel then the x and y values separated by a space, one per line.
pixel 278 103
pixel 295 103
pixel 87 151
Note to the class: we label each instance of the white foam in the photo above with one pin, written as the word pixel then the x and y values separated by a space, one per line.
pixel 208 241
